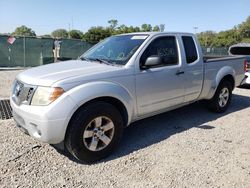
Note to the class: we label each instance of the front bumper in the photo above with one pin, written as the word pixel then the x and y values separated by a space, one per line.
pixel 45 123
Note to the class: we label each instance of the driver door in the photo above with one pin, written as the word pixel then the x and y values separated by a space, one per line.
pixel 159 88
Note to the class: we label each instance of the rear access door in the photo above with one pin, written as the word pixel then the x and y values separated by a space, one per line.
pixel 193 68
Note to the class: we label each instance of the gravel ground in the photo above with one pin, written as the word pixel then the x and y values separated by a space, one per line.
pixel 188 147
pixel 6 79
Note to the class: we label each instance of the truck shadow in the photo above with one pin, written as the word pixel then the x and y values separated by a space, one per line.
pixel 155 129
pixel 149 131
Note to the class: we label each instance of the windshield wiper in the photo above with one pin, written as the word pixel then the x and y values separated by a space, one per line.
pixel 84 59
pixel 101 61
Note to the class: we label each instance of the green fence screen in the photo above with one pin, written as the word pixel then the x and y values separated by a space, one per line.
pixel 31 52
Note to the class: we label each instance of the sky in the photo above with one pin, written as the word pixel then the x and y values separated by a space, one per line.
pixel 44 16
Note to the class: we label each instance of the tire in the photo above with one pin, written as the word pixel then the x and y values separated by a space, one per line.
pixel 217 104
pixel 94 132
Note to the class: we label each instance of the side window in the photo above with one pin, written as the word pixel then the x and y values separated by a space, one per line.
pixel 190 49
pixel 164 47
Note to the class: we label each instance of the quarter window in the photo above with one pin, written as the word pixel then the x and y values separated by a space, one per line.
pixel 164 47
pixel 190 49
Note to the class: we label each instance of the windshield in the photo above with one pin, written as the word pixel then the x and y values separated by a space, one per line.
pixel 115 49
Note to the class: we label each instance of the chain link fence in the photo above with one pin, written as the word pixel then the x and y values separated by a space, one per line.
pixel 215 51
pixel 32 51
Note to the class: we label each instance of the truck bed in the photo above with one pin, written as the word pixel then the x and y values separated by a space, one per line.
pixel 209 59
pixel 214 68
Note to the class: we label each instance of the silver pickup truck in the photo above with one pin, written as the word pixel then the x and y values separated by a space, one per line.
pixel 86 103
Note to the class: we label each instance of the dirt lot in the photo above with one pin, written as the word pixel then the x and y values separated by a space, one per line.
pixel 188 147
pixel 6 79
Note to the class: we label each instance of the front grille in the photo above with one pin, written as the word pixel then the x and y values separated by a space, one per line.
pixel 22 93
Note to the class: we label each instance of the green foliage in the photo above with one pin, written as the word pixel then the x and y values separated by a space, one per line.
pixel 149 27
pixel 207 38
pixel 60 33
pixel 24 31
pixel 125 29
pixel 146 27
pixel 156 28
pixel 244 28
pixel 96 34
pixel 75 34
pixel 113 23
pixel 240 33
pixel 247 40
pixel 226 38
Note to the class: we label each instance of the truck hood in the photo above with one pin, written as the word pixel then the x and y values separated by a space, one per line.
pixel 47 75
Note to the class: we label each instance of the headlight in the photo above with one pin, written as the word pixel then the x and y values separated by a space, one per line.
pixel 45 95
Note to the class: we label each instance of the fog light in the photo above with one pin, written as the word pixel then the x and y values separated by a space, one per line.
pixel 39 133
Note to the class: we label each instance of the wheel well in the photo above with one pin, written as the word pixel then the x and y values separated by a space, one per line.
pixel 111 100
pixel 229 78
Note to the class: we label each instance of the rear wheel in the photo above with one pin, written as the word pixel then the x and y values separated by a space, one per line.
pixel 94 132
pixel 222 97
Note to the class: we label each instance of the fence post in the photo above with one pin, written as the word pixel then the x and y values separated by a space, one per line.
pixel 24 52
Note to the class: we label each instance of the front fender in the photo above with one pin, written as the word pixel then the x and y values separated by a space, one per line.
pixel 92 90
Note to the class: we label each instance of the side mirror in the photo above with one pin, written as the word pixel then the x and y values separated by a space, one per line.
pixel 152 61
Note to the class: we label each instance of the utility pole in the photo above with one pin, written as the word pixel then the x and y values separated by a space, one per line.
pixel 69 26
pixel 195 29
pixel 72 23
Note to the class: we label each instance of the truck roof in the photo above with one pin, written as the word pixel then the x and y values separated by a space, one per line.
pixel 157 33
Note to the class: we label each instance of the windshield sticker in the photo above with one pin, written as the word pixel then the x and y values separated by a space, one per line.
pixel 139 37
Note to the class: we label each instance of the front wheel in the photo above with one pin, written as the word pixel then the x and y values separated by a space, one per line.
pixel 222 97
pixel 94 132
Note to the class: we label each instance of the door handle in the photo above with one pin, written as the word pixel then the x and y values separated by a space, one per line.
pixel 179 72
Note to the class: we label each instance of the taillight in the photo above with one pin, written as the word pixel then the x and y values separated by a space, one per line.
pixel 245 66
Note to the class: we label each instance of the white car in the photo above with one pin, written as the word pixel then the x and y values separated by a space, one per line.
pixel 247 74
pixel 242 49
pixel 246 79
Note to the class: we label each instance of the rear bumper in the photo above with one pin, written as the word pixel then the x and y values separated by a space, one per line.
pixel 44 123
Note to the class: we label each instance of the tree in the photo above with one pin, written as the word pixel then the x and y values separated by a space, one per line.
pixel 60 33
pixel 125 29
pixel 96 34
pixel 24 31
pixel 113 23
pixel 75 34
pixel 137 29
pixel 244 29
pixel 226 38
pixel 146 27
pixel 207 38
pixel 162 27
pixel 121 29
pixel 156 28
